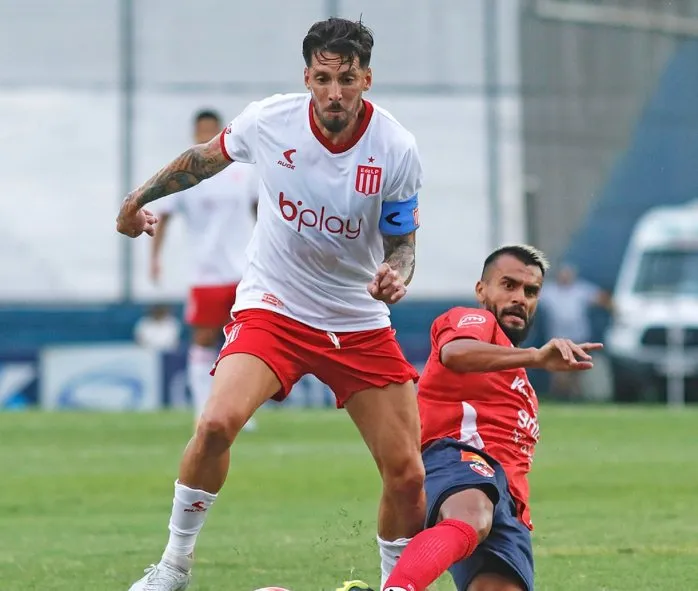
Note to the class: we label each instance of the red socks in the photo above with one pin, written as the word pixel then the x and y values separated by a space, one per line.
pixel 430 554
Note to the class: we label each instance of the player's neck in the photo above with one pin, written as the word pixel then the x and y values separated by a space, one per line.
pixel 344 136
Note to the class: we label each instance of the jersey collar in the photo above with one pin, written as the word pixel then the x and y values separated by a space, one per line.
pixel 339 148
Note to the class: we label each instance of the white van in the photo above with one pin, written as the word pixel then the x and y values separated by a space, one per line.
pixel 653 338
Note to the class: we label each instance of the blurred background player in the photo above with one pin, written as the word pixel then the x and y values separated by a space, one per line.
pixel 219 214
pixel 567 302
pixel 335 243
pixel 479 418
pixel 158 329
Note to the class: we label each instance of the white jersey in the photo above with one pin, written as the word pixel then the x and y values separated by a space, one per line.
pixel 317 243
pixel 219 216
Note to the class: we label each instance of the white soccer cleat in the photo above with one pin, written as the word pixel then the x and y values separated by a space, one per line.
pixel 162 577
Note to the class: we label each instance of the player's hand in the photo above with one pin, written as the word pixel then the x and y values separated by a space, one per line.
pixel 133 223
pixel 387 285
pixel 566 355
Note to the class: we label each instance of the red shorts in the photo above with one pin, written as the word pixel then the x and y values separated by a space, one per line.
pixel 347 362
pixel 210 305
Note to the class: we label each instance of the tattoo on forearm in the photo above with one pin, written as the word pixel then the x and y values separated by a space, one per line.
pixel 189 169
pixel 400 254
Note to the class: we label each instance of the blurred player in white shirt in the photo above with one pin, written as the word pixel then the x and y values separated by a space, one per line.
pixel 335 243
pixel 158 330
pixel 219 215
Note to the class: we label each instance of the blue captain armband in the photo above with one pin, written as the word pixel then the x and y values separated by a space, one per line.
pixel 399 217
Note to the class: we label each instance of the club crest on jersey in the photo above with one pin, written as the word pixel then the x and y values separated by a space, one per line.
pixel 368 180
pixel 477 464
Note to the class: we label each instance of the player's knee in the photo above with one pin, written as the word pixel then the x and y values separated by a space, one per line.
pixel 405 476
pixel 471 506
pixel 481 521
pixel 217 431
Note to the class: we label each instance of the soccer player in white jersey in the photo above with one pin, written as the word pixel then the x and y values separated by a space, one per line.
pixel 219 214
pixel 334 243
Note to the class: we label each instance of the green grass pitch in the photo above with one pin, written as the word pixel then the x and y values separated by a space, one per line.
pixel 85 498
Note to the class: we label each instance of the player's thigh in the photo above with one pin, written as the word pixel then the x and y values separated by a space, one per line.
pixel 371 378
pixel 241 384
pixel 259 360
pixel 272 339
pixel 489 581
pixel 388 420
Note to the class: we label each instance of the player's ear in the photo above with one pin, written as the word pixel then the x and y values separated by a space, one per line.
pixel 368 79
pixel 480 292
pixel 306 77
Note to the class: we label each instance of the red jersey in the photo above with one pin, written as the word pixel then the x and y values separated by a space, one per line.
pixel 496 412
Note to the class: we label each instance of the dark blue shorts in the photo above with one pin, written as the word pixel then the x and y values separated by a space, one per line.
pixel 507 550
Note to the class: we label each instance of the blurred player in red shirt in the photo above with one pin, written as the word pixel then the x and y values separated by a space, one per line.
pixel 479 430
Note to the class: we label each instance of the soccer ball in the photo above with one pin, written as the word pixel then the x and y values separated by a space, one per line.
pixel 271 589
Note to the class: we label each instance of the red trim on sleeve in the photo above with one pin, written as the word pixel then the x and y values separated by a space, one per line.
pixel 339 148
pixel 222 140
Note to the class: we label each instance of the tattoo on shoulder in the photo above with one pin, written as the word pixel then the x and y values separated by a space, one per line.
pixel 400 254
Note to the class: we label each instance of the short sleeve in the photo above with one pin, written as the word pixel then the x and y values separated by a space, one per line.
pixel 408 178
pixel 239 139
pixel 464 323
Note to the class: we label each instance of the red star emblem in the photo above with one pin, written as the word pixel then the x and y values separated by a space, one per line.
pixel 371 160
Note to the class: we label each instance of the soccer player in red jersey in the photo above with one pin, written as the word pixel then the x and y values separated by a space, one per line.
pixel 479 429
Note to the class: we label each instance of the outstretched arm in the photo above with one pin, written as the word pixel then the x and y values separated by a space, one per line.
pixel 469 355
pixel 188 169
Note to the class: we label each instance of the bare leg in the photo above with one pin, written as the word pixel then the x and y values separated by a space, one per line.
pixel 241 385
pixel 388 420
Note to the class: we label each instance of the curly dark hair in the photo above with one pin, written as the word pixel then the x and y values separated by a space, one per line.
pixel 349 39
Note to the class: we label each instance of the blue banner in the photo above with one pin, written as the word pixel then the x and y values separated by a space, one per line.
pixel 19 379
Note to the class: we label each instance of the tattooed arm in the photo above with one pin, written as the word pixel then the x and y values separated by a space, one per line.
pixel 388 284
pixel 399 254
pixel 188 169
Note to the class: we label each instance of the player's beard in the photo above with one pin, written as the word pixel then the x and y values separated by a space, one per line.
pixel 330 123
pixel 334 124
pixel 515 334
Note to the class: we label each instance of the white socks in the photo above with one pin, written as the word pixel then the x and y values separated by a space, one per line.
pixel 389 553
pixel 189 510
pixel 199 364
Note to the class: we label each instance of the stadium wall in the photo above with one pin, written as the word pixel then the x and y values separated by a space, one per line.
pixel 61 111
pixel 603 107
